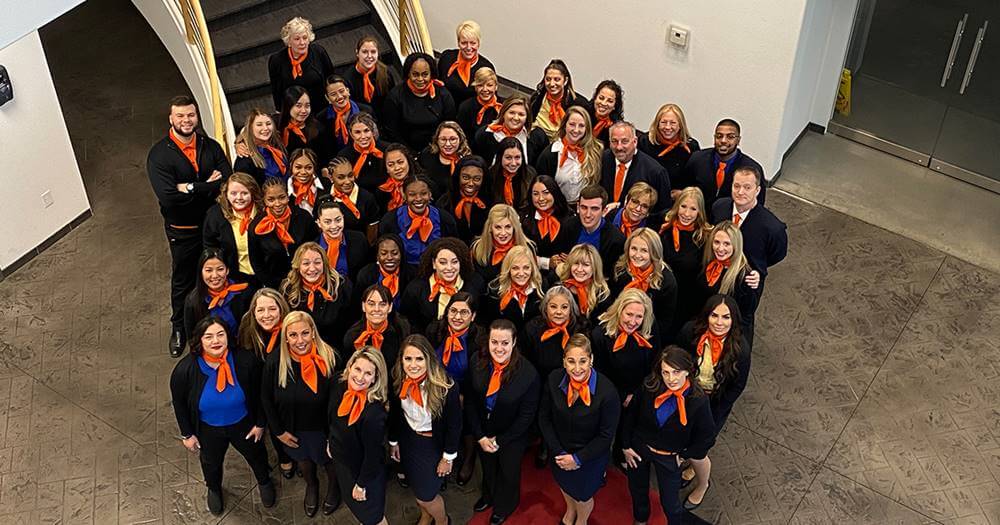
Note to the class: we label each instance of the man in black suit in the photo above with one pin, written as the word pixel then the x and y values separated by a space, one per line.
pixel 712 169
pixel 623 165
pixel 185 169
pixel 589 227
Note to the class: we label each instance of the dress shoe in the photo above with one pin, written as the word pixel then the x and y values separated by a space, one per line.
pixel 267 494
pixel 481 505
pixel 311 502
pixel 688 506
pixel 497 520
pixel 215 504
pixel 176 344
pixel 330 507
pixel 288 473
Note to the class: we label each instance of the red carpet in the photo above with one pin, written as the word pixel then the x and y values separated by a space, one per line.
pixel 542 503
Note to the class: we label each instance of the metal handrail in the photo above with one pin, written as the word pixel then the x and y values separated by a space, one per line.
pixel 197 35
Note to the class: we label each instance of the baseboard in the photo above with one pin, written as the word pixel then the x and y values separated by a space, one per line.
pixel 813 127
pixel 52 239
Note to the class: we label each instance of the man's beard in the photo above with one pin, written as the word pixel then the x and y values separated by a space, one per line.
pixel 178 132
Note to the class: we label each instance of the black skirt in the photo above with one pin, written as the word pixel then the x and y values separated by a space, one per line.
pixel 312 447
pixel 419 457
pixel 581 484
pixel 371 511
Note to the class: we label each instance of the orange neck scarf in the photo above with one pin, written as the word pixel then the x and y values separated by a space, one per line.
pixel 304 192
pixel 676 228
pixel 279 225
pixel 220 296
pixel 438 286
pixel 640 277
pixel 246 217
pixel 495 377
pixel 224 374
pixel 375 333
pixel 484 106
pixel 277 156
pixel 430 90
pixel 679 394
pixel 714 341
pixel 363 156
pixel 333 249
pixel 275 332
pixel 312 365
pixel 670 145
pixel 464 207
pixel 419 223
pixel 345 199
pixel 297 63
pixel 556 111
pixel 340 123
pixel 602 124
pixel 578 390
pixel 464 67
pixel 714 270
pixel 452 161
pixel 411 389
pixel 293 127
pixel 568 148
pixel 548 226
pixel 508 187
pixel 580 288
pixel 555 329
pixel 452 344
pixel 520 293
pixel 390 280
pixel 628 226
pixel 312 288
pixel 352 403
pixel 500 251
pixel 395 189
pixel 623 338
pixel 496 126
pixel 367 79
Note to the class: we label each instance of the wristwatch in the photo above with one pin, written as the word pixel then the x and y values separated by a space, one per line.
pixel 190 187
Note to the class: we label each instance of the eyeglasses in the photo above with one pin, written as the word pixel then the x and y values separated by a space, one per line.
pixel 460 313
pixel 448 140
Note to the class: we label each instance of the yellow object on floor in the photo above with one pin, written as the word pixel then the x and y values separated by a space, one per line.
pixel 844 93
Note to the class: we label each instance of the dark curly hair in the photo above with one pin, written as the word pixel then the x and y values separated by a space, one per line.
pixel 456 245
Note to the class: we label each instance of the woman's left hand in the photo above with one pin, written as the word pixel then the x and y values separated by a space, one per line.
pixel 444 468
pixel 255 433
pixel 566 462
pixel 358 493
pixel 753 279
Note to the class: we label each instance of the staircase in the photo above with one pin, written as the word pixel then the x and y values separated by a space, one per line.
pixel 246 32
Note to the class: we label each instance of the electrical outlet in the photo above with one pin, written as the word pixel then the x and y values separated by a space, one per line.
pixel 47 198
pixel 677 36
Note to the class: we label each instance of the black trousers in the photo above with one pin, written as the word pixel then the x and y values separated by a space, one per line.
pixel 185 248
pixel 215 442
pixel 502 477
pixel 668 477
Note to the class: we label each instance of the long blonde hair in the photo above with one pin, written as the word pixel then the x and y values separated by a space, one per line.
pixel 738 266
pixel 324 350
pixel 378 392
pixel 482 248
pixel 503 281
pixel 701 224
pixel 292 286
pixel 246 137
pixel 438 380
pixel 654 131
pixel 655 256
pixel 598 290
pixel 611 319
pixel 250 334
pixel 590 169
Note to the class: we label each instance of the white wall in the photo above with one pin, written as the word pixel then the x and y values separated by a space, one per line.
pixel 37 155
pixel 739 62
pixel 21 17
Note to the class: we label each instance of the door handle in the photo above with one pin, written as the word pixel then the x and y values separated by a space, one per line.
pixel 955 42
pixel 972 58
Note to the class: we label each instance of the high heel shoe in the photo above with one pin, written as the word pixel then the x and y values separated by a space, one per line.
pixel 688 506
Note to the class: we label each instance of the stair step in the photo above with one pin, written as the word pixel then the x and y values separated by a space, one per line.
pixel 240 110
pixel 252 73
pixel 265 29
pixel 216 9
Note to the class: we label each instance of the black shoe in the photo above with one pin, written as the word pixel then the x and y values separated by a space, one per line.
pixel 688 506
pixel 176 344
pixel 288 473
pixel 330 508
pixel 267 494
pixel 497 520
pixel 311 502
pixel 481 505
pixel 215 504
pixel 401 479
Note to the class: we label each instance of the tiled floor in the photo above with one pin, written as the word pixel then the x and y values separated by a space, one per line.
pixel 873 397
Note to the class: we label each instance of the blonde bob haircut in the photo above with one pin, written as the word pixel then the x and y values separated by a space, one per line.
pixel 250 184
pixel 504 281
pixel 378 392
pixel 598 290
pixel 482 248
pixel 642 190
pixel 469 29
pixel 654 133
pixel 738 266
pixel 437 381
pixel 484 75
pixel 611 319
pixel 592 147
pixel 292 286
pixel 702 227
pixel 251 336
pixel 655 248
pixel 296 26
pixel 324 350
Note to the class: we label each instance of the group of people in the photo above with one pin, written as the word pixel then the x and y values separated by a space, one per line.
pixel 413 273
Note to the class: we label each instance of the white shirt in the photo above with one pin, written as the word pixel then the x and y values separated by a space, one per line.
pixel 522 137
pixel 743 216
pixel 419 418
pixel 317 186
pixel 568 176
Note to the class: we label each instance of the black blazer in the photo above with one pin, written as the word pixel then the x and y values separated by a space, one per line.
pixel 725 395
pixel 361 446
pixel 246 165
pixel 446 429
pixel 628 367
pixel 641 429
pixel 490 310
pixel 369 275
pixel 612 242
pixel 372 173
pixel 765 237
pixel 547 355
pixel 486 144
pixel 701 169
pixel 642 169
pixel 515 408
pixel 459 89
pixel 195 308
pixel 419 310
pixel 167 167
pixel 328 142
pixel 217 233
pixel 295 407
pixel 467 230
pixel 664 299
pixel 357 85
pixel 674 161
pixel 315 68
pixel 332 317
pixel 584 431
pixel 543 247
pixel 392 338
pixel 270 259
pixel 467 116
pixel 412 120
pixel 439 174
pixel 187 383
pixel 686 265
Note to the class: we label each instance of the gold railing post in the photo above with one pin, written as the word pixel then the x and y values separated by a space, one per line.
pixel 404 29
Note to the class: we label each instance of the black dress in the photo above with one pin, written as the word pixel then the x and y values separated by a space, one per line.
pixel 458 88
pixel 412 120
pixel 296 409
pixel 332 317
pixel 628 367
pixel 419 454
pixel 686 264
pixel 270 258
pixel 358 453
pixel 315 68
pixel 673 161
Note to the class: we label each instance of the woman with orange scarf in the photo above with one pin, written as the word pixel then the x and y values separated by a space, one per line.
pixel 214 391
pixel 301 63
pixel 606 108
pixel 553 95
pixel 365 152
pixel 500 409
pixel 369 78
pixel 439 160
pixel 216 294
pixel 583 274
pixel 296 126
pixel 419 222
pixel 716 343
pixel 458 68
pixel 634 212
pixel 305 185
pixel 478 111
pixel 516 292
pixel 725 270
pixel 500 233
pixel 413 109
pixel 671 144
pixel 642 267
pixel 626 340
pixel 227 224
pixel 543 217
pixel 467 197
pixel 260 151
pixel 275 234
pixel 682 234
pixel 346 250
pixel 313 286
pixel 357 413
pixel 445 269
pixel 513 121
pixel 334 135
pixel 388 268
pixel 295 396
pixel 511 175
pixel 668 423
pixel 361 213
pixel 574 157
pixel 398 164
pixel 380 327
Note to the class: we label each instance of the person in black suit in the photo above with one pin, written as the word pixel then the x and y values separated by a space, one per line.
pixel 578 416
pixel 511 176
pixel 302 63
pixel 227 224
pixel 712 169
pixel 314 286
pixel 215 393
pixel 500 409
pixel 553 95
pixel 670 143
pixel 516 292
pixel 185 170
pixel 412 111
pixel 387 269
pixel 215 293
pixel 624 165
pixel 457 68
pixel 425 425
pixel 642 267
pixel 683 234
pixel 670 421
pixel 589 227
pixel 445 269
pixel 275 234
